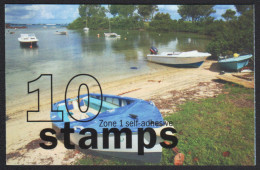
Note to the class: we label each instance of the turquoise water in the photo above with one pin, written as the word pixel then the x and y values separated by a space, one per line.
pixel 65 56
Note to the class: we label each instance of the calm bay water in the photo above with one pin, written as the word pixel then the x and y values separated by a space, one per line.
pixel 65 56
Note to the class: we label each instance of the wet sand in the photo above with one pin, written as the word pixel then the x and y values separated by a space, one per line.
pixel 22 138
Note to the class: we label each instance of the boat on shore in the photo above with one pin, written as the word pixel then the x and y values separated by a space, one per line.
pixel 234 63
pixel 178 59
pixel 122 111
pixel 28 39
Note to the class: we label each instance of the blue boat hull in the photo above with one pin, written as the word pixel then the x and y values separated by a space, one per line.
pixel 124 112
pixel 191 65
pixel 234 66
pixel 235 63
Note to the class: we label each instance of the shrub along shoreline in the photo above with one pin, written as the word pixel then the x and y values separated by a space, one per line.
pixel 231 36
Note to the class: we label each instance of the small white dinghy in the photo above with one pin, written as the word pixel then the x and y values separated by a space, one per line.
pixel 178 59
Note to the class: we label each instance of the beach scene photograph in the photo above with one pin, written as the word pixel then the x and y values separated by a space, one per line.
pixel 108 84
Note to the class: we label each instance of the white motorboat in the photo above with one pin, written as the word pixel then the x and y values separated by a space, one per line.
pixel 61 33
pixel 112 35
pixel 28 39
pixel 178 59
pixel 86 29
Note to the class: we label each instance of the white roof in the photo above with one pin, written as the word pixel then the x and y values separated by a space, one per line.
pixel 27 35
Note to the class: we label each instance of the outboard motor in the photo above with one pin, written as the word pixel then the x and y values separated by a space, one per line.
pixel 153 50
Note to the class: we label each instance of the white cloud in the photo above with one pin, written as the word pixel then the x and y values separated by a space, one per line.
pixel 41 13
pixel 221 9
pixel 47 13
pixel 168 7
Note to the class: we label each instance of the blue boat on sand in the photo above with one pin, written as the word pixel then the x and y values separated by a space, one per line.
pixel 115 112
pixel 235 63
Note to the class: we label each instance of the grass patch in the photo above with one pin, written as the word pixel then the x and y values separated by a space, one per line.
pixel 213 131
pixel 216 131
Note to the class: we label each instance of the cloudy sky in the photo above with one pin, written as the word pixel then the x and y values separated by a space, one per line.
pixel 64 14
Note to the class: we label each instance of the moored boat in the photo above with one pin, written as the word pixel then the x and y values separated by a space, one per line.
pixel 112 35
pixel 124 111
pixel 234 63
pixel 61 33
pixel 29 39
pixel 178 59
pixel 86 29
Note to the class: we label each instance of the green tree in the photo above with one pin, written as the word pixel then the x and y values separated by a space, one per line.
pixel 154 9
pixel 161 22
pixel 94 14
pixel 78 23
pixel 234 37
pixel 122 10
pixel 113 9
pixel 91 10
pixel 147 11
pixel 229 15
pixel 130 23
pixel 243 8
pixel 195 12
pixel 162 16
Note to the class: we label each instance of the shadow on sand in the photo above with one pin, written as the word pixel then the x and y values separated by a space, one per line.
pixel 215 67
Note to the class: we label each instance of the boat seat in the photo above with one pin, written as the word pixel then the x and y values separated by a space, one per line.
pixel 70 105
pixel 81 102
pixel 90 114
pixel 96 103
pixel 65 113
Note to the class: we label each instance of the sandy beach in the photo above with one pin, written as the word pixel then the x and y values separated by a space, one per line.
pixel 22 138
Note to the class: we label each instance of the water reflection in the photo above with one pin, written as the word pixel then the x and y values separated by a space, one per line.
pixel 187 44
pixel 27 51
pixel 85 52
pixel 162 39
